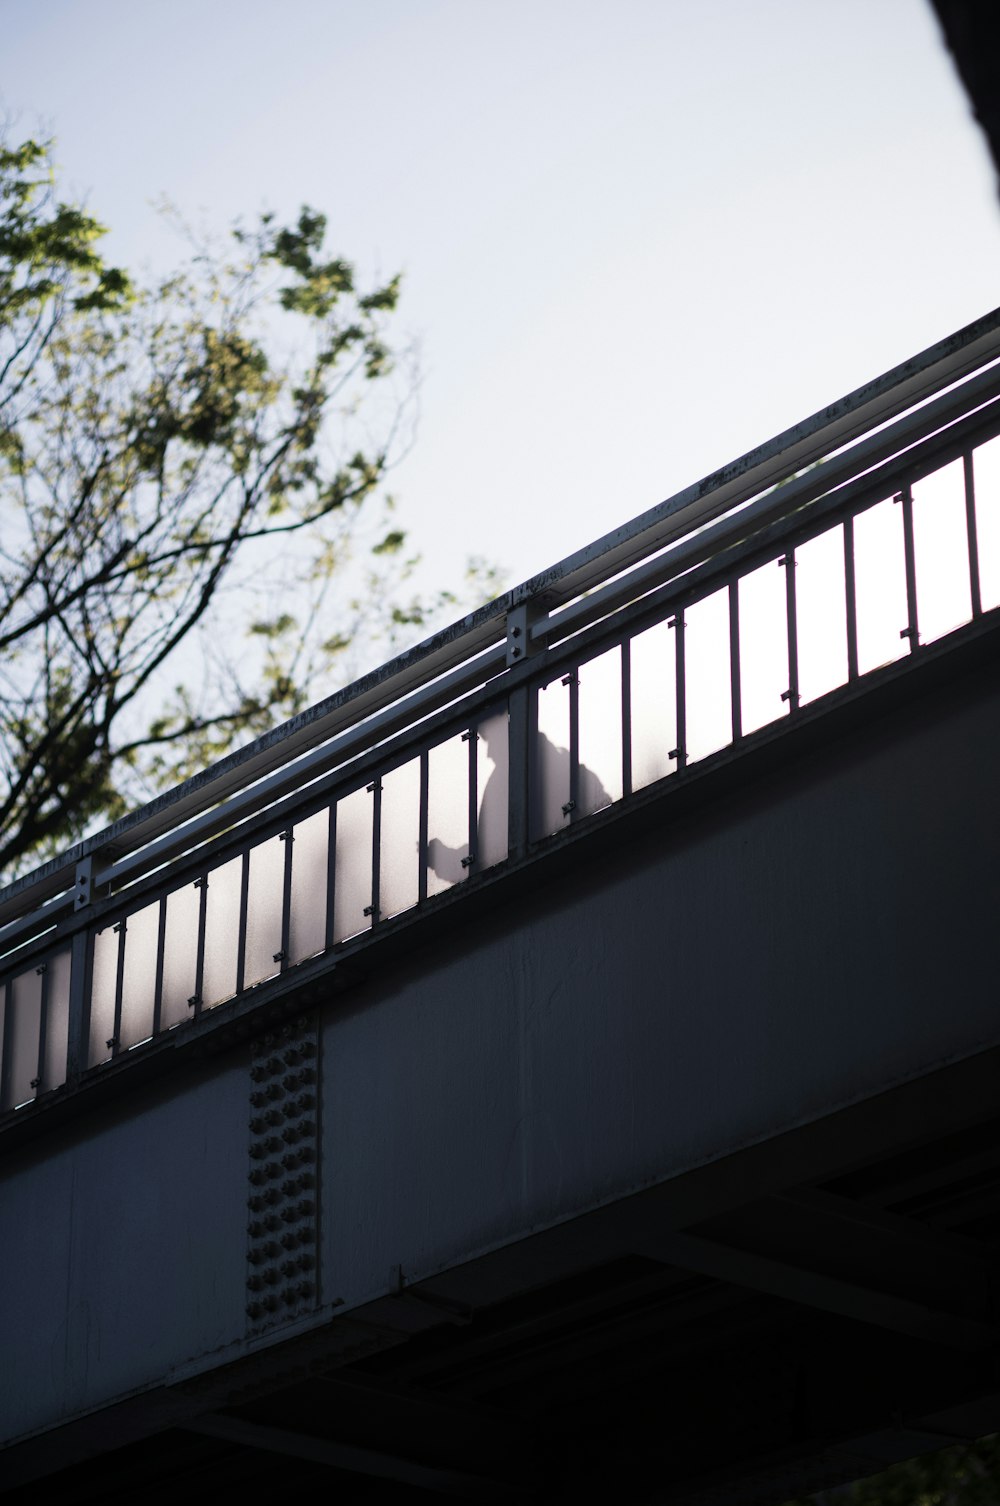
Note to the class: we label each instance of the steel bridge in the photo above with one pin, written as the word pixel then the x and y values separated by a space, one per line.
pixel 567 1060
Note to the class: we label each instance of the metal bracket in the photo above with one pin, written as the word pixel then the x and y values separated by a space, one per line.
pixel 84 882
pixel 520 620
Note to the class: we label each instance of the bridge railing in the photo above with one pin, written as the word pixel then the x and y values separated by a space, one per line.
pixel 711 620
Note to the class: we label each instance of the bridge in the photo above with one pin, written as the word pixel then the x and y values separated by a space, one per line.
pixel 567 1060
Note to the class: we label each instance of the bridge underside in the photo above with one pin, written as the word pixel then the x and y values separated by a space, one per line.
pixel 667 1168
pixel 678 1374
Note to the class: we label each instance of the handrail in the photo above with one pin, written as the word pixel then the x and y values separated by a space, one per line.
pixel 616 568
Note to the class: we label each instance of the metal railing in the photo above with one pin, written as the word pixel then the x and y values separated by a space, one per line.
pixel 724 611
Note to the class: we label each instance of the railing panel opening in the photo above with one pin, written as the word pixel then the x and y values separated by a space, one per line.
pixel 492 777
pixel 23 1027
pixel 986 470
pixel 763 638
pixel 653 720
pixel 821 614
pixel 222 932
pixel 180 955
pixel 307 922
pixel 57 986
pixel 600 758
pixel 265 904
pixel 141 939
pixel 708 692
pixel 447 814
pixel 399 870
pixel 880 576
pixel 353 902
pixel 551 763
pixel 942 552
pixel 103 992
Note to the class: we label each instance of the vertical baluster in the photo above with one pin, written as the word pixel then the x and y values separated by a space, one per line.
pixel 680 752
pixel 626 672
pixel 161 939
pixel 522 768
pixel 791 695
pixel 331 875
pixel 194 1002
pixel 288 838
pixel 973 537
pixel 572 681
pixel 116 1030
pixel 472 738
pixel 912 629
pixel 375 790
pixel 850 600
pixel 422 826
pixel 734 659
pixel 38 1083
pixel 241 927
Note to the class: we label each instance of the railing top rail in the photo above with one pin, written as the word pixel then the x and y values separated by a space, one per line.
pixel 840 424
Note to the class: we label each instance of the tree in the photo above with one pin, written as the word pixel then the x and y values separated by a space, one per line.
pixel 966 1474
pixel 193 458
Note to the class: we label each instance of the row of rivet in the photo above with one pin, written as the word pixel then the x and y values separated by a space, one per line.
pixel 282 1227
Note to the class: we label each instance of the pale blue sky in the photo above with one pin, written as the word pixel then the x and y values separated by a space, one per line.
pixel 637 238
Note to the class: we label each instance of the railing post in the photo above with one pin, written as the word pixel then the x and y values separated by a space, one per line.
pixel 521 729
pixel 78 1024
pixel 84 883
pixel 79 1001
pixel 518 771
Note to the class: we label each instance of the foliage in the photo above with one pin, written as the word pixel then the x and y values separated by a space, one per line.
pixel 967 1474
pixel 174 460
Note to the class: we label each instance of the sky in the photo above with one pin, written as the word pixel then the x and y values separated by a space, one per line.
pixel 636 238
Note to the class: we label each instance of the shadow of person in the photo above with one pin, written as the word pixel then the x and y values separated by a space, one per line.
pixel 451 864
pixel 552 784
pixel 552 789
